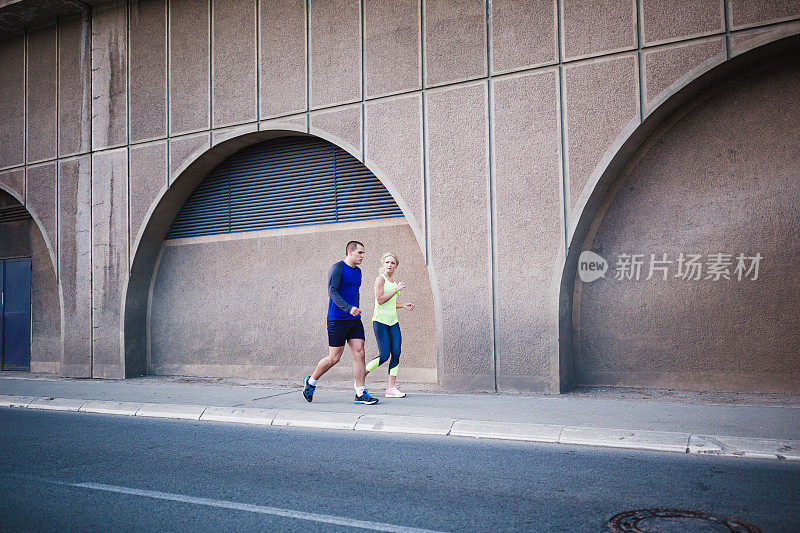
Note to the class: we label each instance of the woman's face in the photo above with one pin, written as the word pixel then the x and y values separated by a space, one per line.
pixel 389 264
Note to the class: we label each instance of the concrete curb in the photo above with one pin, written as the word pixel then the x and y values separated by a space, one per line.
pixel 56 404
pixel 405 424
pixel 166 410
pixel 16 401
pixel 316 419
pixel 241 415
pixel 110 408
pixel 507 430
pixel 725 446
pixel 624 438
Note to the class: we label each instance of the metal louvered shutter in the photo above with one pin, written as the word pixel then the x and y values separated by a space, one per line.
pixel 290 181
pixel 13 213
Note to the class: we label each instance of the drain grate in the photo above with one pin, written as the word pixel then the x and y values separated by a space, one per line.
pixel 667 520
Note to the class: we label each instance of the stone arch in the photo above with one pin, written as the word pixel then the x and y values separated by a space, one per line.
pixel 681 96
pixel 52 269
pixel 37 220
pixel 163 210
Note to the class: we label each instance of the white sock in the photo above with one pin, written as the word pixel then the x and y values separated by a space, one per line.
pixel 360 391
pixel 312 381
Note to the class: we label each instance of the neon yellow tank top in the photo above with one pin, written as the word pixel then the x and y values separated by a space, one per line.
pixel 386 313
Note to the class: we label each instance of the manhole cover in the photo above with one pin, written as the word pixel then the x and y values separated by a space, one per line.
pixel 677 520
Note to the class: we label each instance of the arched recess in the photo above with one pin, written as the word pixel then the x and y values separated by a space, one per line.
pixel 149 244
pixel 602 187
pixel 28 238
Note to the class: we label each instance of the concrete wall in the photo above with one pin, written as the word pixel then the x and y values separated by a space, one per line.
pixel 23 239
pixel 493 116
pixel 722 178
pixel 254 304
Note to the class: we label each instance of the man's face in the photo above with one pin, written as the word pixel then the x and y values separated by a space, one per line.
pixel 356 256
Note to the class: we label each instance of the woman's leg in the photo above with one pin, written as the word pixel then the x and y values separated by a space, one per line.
pixel 384 346
pixel 395 342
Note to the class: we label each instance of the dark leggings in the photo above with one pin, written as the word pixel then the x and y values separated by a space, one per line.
pixel 389 340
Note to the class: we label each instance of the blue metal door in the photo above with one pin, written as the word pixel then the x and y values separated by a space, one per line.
pixel 16 327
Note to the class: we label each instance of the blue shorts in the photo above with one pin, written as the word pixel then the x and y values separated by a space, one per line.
pixel 341 331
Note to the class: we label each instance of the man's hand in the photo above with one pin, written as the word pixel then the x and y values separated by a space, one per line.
pixel 355 311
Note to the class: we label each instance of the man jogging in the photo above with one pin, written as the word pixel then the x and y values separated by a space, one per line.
pixel 344 323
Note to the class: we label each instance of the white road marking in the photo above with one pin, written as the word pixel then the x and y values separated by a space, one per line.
pixel 287 513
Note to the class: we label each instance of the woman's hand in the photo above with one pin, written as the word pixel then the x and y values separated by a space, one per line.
pixel 409 306
pixel 401 286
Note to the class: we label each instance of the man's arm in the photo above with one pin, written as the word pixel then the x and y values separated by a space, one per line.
pixel 334 280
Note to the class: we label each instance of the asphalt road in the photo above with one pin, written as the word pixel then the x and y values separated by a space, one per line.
pixel 78 471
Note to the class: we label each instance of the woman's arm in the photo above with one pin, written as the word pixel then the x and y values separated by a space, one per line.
pixel 383 298
pixel 379 296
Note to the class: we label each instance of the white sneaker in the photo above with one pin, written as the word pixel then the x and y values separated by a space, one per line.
pixel 394 392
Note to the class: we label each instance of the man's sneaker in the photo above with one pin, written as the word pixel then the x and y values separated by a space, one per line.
pixel 366 399
pixel 394 392
pixel 308 389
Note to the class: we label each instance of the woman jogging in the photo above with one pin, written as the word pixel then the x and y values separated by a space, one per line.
pixel 385 323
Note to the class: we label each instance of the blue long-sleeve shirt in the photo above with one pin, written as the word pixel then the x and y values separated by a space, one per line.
pixel 344 283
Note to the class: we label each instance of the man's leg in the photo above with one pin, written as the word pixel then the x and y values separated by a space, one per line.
pixel 360 372
pixel 326 363
pixel 359 365
pixel 337 338
pixel 336 341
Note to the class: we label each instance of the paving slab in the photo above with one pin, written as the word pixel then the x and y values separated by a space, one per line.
pixel 56 404
pixel 111 408
pixel 506 430
pixel 405 424
pixel 315 419
pixel 623 438
pixel 184 412
pixel 240 415
pixel 15 401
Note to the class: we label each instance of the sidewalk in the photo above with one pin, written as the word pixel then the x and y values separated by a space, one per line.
pixel 742 425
